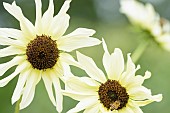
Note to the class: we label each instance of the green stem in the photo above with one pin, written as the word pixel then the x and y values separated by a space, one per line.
pixel 140 49
pixel 17 106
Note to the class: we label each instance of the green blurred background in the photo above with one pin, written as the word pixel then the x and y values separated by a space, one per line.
pixel 105 18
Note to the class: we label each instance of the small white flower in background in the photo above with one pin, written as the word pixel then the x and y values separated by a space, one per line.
pixel 145 17
pixel 40 51
pixel 121 91
pixel 139 14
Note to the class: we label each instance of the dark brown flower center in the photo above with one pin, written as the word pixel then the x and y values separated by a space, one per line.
pixel 112 95
pixel 42 52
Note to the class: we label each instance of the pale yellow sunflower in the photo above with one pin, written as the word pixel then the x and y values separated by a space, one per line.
pixel 40 51
pixel 145 17
pixel 121 91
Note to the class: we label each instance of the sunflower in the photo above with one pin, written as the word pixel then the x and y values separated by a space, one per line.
pixel 121 91
pixel 40 51
pixel 148 20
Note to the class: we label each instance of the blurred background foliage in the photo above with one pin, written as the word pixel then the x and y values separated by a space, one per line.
pixel 109 23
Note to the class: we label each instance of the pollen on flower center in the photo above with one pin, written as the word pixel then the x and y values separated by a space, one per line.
pixel 42 52
pixel 112 95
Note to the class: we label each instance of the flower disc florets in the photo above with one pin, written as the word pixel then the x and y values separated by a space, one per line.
pixel 42 52
pixel 112 95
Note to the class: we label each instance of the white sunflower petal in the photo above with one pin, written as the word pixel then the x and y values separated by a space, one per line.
pixel 83 104
pixel 127 109
pixel 20 85
pixel 19 69
pixel 137 110
pixel 130 65
pixel 78 38
pixel 75 95
pixel 38 22
pixel 59 26
pixel 11 50
pixel 137 81
pixel 26 26
pixel 29 89
pixel 68 59
pixel 12 33
pixel 66 70
pixel 60 22
pixel 139 93
pixel 65 7
pixel 129 72
pixel 106 57
pixel 9 41
pixel 92 109
pixel 90 67
pixel 58 92
pixel 116 65
pixel 90 82
pixel 28 99
pixel 15 61
pixel 78 85
pixel 156 98
pixel 48 85
pixel 47 18
pixel 129 79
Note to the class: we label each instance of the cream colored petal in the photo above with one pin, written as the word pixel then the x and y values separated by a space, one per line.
pixel 130 65
pixel 139 93
pixel 77 39
pixel 79 32
pixel 76 95
pixel 131 104
pixel 83 104
pixel 20 85
pixel 15 61
pixel 129 72
pixel 65 7
pixel 68 59
pixel 59 96
pixel 12 33
pixel 116 65
pixel 26 26
pixel 78 85
pixel 59 26
pixel 90 82
pixel 60 22
pixel 156 98
pixel 11 50
pixel 29 89
pixel 137 80
pixel 106 57
pixel 92 109
pixel 19 69
pixel 90 67
pixel 38 22
pixel 142 96
pixel 48 85
pixel 66 70
pixel 9 41
pixel 47 18
pixel 58 68
pixel 137 110
pixel 126 109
